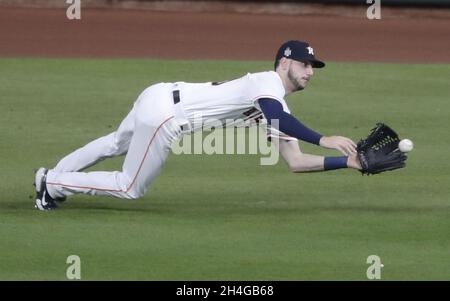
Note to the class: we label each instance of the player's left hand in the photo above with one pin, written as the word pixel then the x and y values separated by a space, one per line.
pixel 343 144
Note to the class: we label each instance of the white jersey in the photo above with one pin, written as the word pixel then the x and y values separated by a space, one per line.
pixel 232 100
pixel 147 133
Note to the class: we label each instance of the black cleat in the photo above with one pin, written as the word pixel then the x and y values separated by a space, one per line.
pixel 60 200
pixel 44 201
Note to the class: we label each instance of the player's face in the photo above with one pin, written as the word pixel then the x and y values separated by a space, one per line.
pixel 299 74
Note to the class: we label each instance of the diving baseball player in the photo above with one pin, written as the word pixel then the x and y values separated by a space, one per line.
pixel 164 112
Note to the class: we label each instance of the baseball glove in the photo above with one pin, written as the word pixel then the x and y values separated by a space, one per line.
pixel 379 151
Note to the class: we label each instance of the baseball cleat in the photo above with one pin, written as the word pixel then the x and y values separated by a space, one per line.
pixel 44 201
pixel 60 200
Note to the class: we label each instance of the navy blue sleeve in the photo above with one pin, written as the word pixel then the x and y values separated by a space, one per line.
pixel 288 124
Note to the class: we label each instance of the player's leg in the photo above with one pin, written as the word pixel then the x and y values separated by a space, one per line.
pixel 141 173
pixel 155 130
pixel 148 151
pixel 111 145
pixel 114 144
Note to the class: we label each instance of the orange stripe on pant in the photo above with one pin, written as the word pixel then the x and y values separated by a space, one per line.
pixel 135 176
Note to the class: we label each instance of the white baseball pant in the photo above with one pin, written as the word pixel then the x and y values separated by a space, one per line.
pixel 145 135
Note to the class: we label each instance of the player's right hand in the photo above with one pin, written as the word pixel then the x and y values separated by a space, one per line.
pixel 343 144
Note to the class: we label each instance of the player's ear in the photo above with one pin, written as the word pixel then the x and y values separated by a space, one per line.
pixel 284 63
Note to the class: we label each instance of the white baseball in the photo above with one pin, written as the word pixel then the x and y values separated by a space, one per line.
pixel 405 145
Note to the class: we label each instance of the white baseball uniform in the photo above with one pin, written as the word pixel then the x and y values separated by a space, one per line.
pixel 161 114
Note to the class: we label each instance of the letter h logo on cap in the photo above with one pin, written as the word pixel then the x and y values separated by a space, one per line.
pixel 287 52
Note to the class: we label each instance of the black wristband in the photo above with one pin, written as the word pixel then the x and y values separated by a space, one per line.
pixel 331 163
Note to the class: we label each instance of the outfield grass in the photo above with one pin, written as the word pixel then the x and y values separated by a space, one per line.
pixel 225 217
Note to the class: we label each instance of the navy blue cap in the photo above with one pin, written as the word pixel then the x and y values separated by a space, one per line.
pixel 299 51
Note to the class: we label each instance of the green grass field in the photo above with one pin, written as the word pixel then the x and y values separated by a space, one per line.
pixel 225 217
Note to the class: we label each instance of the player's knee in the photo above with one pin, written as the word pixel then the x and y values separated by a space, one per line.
pixel 130 190
pixel 113 149
pixel 134 194
pixel 111 145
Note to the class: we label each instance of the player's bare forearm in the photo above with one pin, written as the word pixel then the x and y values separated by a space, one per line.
pixel 300 162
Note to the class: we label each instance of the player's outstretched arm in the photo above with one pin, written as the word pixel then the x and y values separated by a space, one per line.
pixel 300 162
pixel 343 144
pixel 296 160
pixel 291 126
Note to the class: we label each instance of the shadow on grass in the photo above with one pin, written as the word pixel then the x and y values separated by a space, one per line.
pixel 164 207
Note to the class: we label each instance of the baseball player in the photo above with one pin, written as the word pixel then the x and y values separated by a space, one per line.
pixel 164 112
